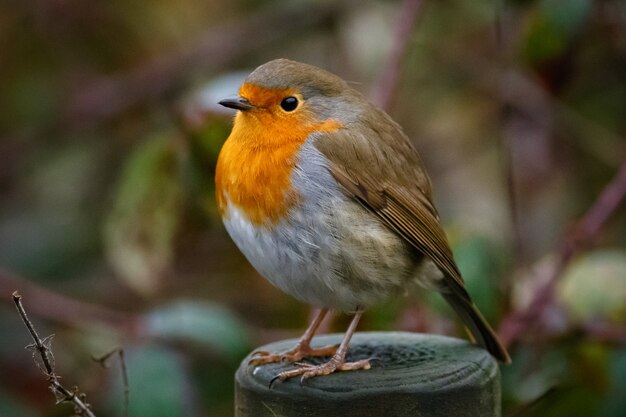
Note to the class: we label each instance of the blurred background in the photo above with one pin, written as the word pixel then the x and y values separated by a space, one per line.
pixel 109 133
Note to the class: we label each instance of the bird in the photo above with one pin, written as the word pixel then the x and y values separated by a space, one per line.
pixel 328 199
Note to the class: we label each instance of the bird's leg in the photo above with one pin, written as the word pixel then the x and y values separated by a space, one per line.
pixel 336 363
pixel 302 349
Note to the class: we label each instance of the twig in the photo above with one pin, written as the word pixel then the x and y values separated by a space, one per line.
pixel 581 237
pixel 102 360
pixel 47 303
pixel 61 393
pixel 605 332
pixel 387 82
pixel 508 165
pixel 505 45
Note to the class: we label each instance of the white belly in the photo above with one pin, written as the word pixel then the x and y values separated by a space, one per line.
pixel 329 251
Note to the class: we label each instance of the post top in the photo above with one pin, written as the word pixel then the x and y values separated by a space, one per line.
pixel 419 364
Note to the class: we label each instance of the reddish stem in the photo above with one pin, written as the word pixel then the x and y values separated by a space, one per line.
pixel 387 82
pixel 579 239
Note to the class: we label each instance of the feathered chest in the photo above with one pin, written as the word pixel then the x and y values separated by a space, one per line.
pixel 255 165
pixel 256 180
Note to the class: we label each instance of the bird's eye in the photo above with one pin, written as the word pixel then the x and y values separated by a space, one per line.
pixel 289 103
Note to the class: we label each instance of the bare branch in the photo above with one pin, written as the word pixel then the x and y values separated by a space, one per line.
pixel 102 360
pixel 385 87
pixel 49 304
pixel 605 332
pixel 61 393
pixel 581 237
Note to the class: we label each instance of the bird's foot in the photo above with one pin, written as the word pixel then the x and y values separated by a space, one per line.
pixel 294 355
pixel 307 370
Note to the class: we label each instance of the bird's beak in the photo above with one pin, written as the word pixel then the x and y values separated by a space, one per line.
pixel 237 103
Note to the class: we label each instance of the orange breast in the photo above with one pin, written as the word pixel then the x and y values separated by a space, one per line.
pixel 255 164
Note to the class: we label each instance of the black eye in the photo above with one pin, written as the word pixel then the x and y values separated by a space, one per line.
pixel 289 103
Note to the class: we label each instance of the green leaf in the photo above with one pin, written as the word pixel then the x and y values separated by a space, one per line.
pixel 158 383
pixel 552 28
pixel 476 259
pixel 615 401
pixel 566 17
pixel 200 162
pixel 140 230
pixel 206 324
pixel 46 229
pixel 595 286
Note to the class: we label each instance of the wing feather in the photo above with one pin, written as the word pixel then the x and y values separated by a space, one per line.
pixel 381 170
pixel 397 191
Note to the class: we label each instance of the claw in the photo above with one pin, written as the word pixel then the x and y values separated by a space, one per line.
pixel 273 380
pixel 336 363
pixel 308 371
pixel 261 357
pixel 376 360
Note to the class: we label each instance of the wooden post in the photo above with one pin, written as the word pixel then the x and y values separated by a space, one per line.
pixel 412 375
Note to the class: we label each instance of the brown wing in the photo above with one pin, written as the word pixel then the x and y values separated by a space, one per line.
pixel 378 166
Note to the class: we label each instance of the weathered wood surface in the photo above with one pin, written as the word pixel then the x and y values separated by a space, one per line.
pixel 412 375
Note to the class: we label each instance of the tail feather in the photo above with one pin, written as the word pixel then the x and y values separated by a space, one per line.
pixel 482 332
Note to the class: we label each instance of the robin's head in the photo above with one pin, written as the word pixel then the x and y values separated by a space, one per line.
pixel 294 92
pixel 281 104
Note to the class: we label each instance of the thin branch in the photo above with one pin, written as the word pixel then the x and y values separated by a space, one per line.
pixel 386 85
pixel 52 305
pixel 506 48
pixel 508 165
pixel 605 332
pixel 102 360
pixel 581 238
pixel 42 346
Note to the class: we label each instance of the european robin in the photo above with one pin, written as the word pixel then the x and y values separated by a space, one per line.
pixel 328 199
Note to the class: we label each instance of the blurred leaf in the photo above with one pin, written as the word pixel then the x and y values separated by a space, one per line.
pixel 199 169
pixel 576 401
pixel 139 232
pixel 615 401
pixel 480 265
pixel 209 129
pixel 476 259
pixel 48 231
pixel 158 384
pixel 530 375
pixel 591 364
pixel 567 17
pixel 552 27
pixel 543 41
pixel 206 324
pixel 208 378
pixel 595 286
pixel 20 93
pixel 384 316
